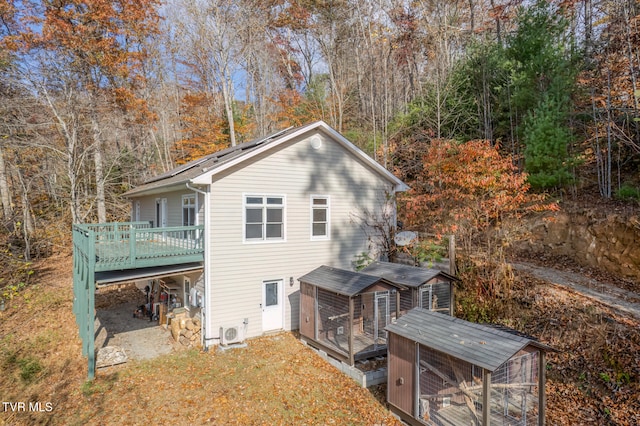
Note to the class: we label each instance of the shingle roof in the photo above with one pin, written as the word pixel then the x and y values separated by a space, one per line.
pixel 478 344
pixel 185 172
pixel 407 275
pixel 347 283
pixel 209 164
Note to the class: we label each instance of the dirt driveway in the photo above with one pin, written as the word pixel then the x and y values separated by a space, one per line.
pixel 116 325
pixel 614 297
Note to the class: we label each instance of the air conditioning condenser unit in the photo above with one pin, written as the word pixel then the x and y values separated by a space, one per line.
pixel 231 335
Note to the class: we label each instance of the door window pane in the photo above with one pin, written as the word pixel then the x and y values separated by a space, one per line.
pixel 271 294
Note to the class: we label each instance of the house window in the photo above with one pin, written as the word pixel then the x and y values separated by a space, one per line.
pixel 189 215
pixel 264 218
pixel 319 217
pixel 188 210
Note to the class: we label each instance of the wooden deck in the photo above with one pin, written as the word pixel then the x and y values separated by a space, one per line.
pixel 133 245
pixel 107 247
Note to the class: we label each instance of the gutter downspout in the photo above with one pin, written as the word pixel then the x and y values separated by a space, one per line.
pixel 207 221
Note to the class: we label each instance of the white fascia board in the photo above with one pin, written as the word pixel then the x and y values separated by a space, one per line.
pixel 175 186
pixel 400 186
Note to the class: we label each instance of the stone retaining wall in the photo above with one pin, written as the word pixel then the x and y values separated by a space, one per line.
pixel 607 240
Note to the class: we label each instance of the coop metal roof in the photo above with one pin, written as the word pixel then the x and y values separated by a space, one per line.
pixel 341 281
pixel 478 344
pixel 406 275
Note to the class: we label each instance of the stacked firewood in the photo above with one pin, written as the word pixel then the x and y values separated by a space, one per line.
pixel 186 330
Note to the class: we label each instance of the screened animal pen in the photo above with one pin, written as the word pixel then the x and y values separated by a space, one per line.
pixel 345 313
pixel 426 288
pixel 446 371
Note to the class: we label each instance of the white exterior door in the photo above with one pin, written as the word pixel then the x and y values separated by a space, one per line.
pixel 272 305
pixel 161 213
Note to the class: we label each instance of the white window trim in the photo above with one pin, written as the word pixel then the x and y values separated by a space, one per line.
pixel 195 207
pixel 136 211
pixel 328 208
pixel 163 220
pixel 264 240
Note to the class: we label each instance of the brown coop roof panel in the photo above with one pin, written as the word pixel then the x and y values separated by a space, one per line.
pixel 341 281
pixel 478 344
pixel 407 275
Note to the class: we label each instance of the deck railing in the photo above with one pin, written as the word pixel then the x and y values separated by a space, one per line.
pixel 128 245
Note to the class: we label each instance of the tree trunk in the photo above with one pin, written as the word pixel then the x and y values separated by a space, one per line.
pixel 5 194
pixel 99 170
pixel 228 107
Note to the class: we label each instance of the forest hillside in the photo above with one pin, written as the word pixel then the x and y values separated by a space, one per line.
pixel 515 124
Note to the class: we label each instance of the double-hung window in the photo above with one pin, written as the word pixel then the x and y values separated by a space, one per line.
pixel 320 217
pixel 189 214
pixel 188 210
pixel 264 217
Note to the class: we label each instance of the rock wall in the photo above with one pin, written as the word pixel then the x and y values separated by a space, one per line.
pixel 597 238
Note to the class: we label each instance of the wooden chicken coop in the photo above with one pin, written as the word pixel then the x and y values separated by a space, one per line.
pixel 345 313
pixel 426 288
pixel 446 371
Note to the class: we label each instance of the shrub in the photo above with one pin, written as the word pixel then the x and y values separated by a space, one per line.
pixel 628 192
pixel 29 369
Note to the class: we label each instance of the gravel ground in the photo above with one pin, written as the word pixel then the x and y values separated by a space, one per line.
pixel 117 326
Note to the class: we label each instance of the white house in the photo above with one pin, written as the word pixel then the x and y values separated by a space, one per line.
pixel 273 209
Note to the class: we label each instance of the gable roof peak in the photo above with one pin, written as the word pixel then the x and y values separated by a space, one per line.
pixel 199 171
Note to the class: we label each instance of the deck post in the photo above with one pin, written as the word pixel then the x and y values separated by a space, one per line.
pixel 351 311
pixel 486 397
pixel 90 330
pixel 133 237
pixel 542 378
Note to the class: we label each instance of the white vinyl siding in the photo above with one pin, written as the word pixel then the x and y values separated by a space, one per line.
pixel 320 217
pixel 174 207
pixel 238 269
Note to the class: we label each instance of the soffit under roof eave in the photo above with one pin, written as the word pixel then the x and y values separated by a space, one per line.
pixel 158 190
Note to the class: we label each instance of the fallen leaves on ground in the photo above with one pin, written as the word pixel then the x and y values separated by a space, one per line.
pixel 594 378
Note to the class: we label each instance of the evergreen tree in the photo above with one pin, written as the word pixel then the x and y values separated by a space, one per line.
pixel 546 138
pixel 543 81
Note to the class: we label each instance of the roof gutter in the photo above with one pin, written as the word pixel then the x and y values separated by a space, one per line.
pixel 205 308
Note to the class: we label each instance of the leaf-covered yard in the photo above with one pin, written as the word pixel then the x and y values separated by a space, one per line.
pixel 594 378
pixel 274 380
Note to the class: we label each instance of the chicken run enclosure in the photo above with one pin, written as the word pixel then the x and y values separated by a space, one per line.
pixel 345 313
pixel 446 371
